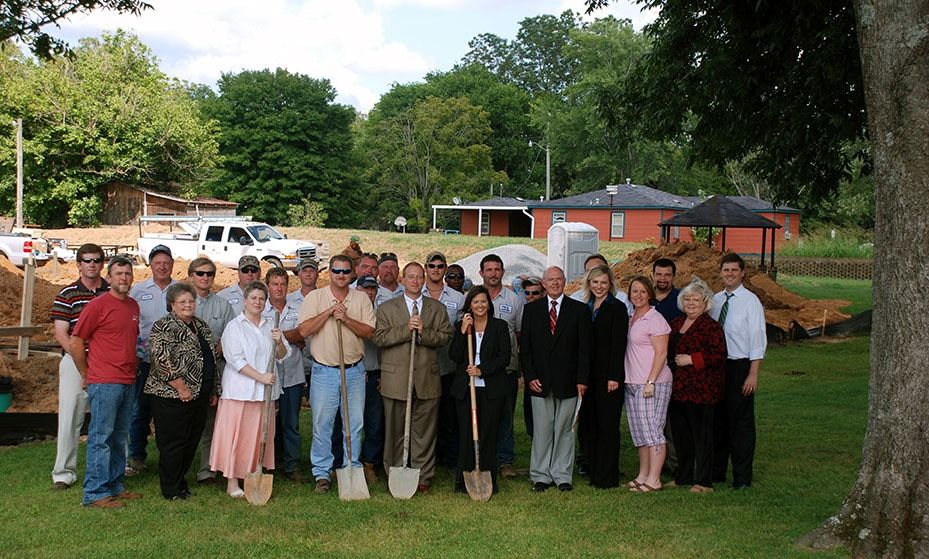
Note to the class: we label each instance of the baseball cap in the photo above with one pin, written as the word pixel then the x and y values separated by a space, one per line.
pixel 157 249
pixel 307 263
pixel 367 281
pixel 355 239
pixel 435 255
pixel 385 256
pixel 249 260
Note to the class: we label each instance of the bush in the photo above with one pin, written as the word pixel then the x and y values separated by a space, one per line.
pixel 845 243
pixel 307 214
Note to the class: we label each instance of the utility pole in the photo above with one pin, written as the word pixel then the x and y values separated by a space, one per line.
pixel 19 172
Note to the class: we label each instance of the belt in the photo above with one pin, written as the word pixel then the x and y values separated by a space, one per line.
pixel 347 365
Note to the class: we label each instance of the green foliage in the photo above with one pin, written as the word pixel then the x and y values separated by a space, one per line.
pixel 307 214
pixel 857 292
pixel 282 139
pixel 108 113
pixel 847 242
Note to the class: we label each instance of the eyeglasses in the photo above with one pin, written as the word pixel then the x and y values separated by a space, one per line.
pixel 534 293
pixel 454 276
pixel 342 271
pixel 207 273
pixel 98 260
pixel 432 266
pixel 249 270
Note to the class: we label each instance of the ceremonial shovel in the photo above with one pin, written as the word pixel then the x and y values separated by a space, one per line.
pixel 258 485
pixel 479 484
pixel 351 479
pixel 402 480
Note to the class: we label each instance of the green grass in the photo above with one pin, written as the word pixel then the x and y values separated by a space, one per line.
pixel 857 292
pixel 847 243
pixel 811 412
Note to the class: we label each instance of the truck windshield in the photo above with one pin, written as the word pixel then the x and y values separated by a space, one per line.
pixel 264 233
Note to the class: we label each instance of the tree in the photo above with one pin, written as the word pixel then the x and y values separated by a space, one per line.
pixel 885 513
pixel 24 20
pixel 107 113
pixel 284 142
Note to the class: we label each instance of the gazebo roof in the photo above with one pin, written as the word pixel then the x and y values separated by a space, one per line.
pixel 720 211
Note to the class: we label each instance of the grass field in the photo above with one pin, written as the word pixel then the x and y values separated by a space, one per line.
pixel 811 411
pixel 858 292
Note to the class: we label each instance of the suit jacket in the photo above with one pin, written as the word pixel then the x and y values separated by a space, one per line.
pixel 392 334
pixel 610 332
pixel 495 357
pixel 560 361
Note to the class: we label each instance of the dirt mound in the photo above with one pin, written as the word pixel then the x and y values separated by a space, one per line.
pixel 11 285
pixel 694 259
pixel 35 382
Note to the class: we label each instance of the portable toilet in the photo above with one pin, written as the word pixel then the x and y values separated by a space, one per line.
pixel 569 244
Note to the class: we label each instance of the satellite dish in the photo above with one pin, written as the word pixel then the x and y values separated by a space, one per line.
pixel 456 200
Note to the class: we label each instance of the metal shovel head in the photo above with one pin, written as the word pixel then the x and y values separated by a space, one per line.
pixel 479 484
pixel 403 481
pixel 352 484
pixel 258 488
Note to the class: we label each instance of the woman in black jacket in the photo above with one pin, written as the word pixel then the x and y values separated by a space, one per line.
pixel 491 342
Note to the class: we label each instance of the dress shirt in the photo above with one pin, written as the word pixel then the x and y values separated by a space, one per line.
pixel 216 312
pixel 291 367
pixel 384 294
pixel 325 343
pixel 235 296
pixel 296 299
pixel 247 344
pixel 153 304
pixel 746 336
pixel 508 307
pixel 454 303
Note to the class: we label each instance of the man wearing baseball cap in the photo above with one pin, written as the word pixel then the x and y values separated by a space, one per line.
pixel 388 272
pixel 151 295
pixel 249 271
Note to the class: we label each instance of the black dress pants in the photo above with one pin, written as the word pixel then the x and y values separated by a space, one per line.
pixel 178 426
pixel 692 425
pixel 489 415
pixel 447 437
pixel 734 433
pixel 601 412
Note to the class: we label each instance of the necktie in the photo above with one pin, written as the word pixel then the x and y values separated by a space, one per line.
pixel 553 317
pixel 725 310
pixel 415 309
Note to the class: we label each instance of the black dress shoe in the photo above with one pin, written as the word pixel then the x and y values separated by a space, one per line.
pixel 540 486
pixel 583 469
pixel 565 487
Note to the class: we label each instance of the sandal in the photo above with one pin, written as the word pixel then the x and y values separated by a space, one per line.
pixel 645 488
pixel 634 484
pixel 237 494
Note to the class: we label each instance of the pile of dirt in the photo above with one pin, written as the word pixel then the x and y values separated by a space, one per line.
pixel 11 284
pixel 35 382
pixel 695 259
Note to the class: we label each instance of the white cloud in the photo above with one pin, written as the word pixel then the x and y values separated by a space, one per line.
pixel 620 9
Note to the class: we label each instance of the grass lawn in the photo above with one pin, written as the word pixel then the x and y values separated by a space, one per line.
pixel 858 292
pixel 811 412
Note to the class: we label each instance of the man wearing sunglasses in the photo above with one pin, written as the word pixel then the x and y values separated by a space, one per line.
pixel 249 271
pixel 455 278
pixel 72 398
pixel 216 312
pixel 151 295
pixel 435 288
pixel 323 313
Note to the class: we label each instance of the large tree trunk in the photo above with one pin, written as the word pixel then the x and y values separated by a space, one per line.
pixel 887 512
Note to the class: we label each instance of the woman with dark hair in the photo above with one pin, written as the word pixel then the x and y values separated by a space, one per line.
pixel 490 339
pixel 249 342
pixel 182 382
pixel 603 403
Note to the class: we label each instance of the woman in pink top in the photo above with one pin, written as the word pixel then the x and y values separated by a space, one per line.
pixel 648 384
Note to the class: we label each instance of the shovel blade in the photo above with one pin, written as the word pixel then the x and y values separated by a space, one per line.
pixel 479 484
pixel 258 488
pixel 403 482
pixel 352 484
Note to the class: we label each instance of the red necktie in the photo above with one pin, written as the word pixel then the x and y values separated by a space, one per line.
pixel 553 317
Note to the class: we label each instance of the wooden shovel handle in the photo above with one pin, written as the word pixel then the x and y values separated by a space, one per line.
pixel 471 385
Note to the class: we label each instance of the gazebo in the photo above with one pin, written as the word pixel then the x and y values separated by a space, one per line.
pixel 720 211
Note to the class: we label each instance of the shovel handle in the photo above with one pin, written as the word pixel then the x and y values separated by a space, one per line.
pixel 409 403
pixel 471 386
pixel 346 422
pixel 266 416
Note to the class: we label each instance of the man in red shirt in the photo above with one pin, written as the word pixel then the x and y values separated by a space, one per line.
pixel 107 330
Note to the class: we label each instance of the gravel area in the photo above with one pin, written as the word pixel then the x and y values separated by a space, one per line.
pixel 517 260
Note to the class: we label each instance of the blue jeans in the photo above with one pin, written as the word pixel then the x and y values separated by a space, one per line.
pixel 506 441
pixel 287 435
pixel 110 411
pixel 372 449
pixel 325 400
pixel 140 427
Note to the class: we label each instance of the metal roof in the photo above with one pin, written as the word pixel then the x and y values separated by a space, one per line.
pixel 720 211
pixel 627 196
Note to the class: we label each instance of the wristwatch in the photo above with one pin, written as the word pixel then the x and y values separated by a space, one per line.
pixel 649 382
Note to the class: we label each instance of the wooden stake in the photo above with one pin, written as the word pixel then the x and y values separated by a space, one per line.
pixel 824 321
pixel 25 315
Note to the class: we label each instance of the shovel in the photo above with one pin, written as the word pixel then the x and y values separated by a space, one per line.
pixel 402 480
pixel 258 485
pixel 351 479
pixel 479 484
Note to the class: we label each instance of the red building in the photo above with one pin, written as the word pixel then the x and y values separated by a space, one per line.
pixel 632 215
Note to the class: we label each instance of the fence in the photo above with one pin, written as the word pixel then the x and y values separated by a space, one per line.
pixel 843 268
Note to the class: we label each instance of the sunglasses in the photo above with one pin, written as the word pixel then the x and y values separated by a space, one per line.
pixel 432 266
pixel 533 292
pixel 92 260
pixel 454 276
pixel 209 274
pixel 342 271
pixel 250 270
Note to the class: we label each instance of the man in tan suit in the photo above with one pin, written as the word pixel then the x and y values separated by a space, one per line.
pixel 397 321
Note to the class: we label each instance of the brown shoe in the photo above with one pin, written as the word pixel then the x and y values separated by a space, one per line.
pixel 422 489
pixel 61 486
pixel 322 485
pixel 129 496
pixel 508 471
pixel 370 474
pixel 106 503
pixel 701 489
pixel 295 476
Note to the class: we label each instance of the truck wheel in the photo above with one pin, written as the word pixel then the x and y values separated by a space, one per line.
pixel 274 262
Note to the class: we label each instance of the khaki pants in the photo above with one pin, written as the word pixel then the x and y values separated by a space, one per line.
pixel 72 408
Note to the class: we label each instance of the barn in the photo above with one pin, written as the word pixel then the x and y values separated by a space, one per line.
pixel 124 204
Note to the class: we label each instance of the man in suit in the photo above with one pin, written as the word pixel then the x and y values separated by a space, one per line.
pixel 555 359
pixel 399 319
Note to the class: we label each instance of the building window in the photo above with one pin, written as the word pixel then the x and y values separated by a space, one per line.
pixel 787 227
pixel 676 232
pixel 618 225
pixel 485 223
pixel 559 217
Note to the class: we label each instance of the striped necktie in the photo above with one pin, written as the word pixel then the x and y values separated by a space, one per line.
pixel 553 317
pixel 725 310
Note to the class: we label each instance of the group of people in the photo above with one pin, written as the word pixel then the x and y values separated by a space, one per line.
pixel 197 364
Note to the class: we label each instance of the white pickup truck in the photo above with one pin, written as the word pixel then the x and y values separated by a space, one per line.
pixel 15 247
pixel 225 241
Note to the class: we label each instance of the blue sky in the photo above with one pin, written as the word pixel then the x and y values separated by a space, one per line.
pixel 361 46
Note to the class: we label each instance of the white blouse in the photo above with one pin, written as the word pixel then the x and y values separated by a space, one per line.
pixel 247 344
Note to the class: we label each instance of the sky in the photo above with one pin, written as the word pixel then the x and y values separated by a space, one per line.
pixel 361 46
